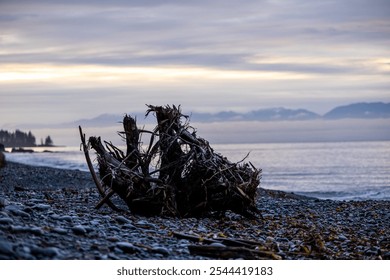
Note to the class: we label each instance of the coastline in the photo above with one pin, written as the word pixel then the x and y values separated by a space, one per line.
pixel 48 213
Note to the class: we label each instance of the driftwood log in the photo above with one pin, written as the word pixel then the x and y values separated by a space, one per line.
pixel 176 174
pixel 227 248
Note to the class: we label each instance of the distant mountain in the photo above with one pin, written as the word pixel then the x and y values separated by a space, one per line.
pixel 281 114
pixel 271 114
pixel 357 110
pixel 101 120
pixel 217 117
pixel 360 111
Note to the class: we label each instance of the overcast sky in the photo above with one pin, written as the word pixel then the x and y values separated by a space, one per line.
pixel 65 60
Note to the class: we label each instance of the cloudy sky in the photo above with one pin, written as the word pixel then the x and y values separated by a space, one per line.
pixel 65 60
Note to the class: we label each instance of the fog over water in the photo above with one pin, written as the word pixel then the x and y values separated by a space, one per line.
pixel 243 131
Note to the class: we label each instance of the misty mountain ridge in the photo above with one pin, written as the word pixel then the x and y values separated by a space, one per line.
pixel 271 114
pixel 354 111
pixel 360 111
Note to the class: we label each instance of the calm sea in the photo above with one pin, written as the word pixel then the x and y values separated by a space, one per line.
pixel 339 171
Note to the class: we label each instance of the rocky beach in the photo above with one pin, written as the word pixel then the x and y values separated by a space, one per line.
pixel 48 213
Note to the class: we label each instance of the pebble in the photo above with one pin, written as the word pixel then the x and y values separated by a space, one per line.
pixel 127 247
pixel 50 252
pixel 128 226
pixel 41 207
pixel 6 221
pixel 123 220
pixel 26 229
pixel 342 237
pixel 20 213
pixel 386 256
pixel 60 230
pixel 217 244
pixel 114 228
pixel 79 230
pixel 160 250
pixel 6 248
pixel 3 202
pixel 65 218
pixel 94 222
pixel 144 224
pixel 113 238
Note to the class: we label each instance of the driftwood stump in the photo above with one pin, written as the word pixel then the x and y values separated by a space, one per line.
pixel 177 173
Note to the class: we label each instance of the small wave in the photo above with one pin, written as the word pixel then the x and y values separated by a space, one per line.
pixel 381 194
pixel 56 160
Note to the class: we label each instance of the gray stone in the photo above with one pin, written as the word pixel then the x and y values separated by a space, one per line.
pixel 79 230
pixel 123 220
pixel 6 221
pixel 113 238
pixel 50 252
pixel 144 224
pixel 342 237
pixel 36 200
pixel 371 252
pixel 160 250
pixel 3 202
pixel 217 244
pixel 129 226
pixel 95 222
pixel 66 218
pixel 17 212
pixel 36 230
pixel 386 256
pixel 6 248
pixel 112 256
pixel 60 230
pixel 24 253
pixel 26 229
pixel 127 247
pixel 41 207
pixel 114 228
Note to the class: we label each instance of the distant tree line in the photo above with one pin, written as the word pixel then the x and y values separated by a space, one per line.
pixel 21 139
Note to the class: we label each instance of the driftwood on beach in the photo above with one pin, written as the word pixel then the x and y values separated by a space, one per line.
pixel 176 174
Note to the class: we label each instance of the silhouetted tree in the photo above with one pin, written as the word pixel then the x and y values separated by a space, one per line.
pixel 48 141
pixel 17 139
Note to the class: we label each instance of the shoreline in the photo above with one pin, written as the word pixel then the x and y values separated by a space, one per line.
pixel 48 213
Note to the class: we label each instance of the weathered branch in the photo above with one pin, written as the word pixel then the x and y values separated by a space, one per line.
pixel 92 171
pixel 232 252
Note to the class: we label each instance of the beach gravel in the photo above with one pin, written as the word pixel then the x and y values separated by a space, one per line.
pixel 48 213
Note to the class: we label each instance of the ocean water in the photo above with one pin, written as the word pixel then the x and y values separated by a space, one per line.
pixel 337 170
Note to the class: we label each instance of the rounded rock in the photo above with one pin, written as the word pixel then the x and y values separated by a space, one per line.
pixel 6 221
pixel 144 224
pixel 160 250
pixel 6 248
pixel 127 247
pixel 79 230
pixel 123 220
pixel 129 226
pixel 217 244
pixel 342 237
pixel 20 213
pixel 66 218
pixel 41 207
pixel 49 252
pixel 3 202
pixel 60 230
